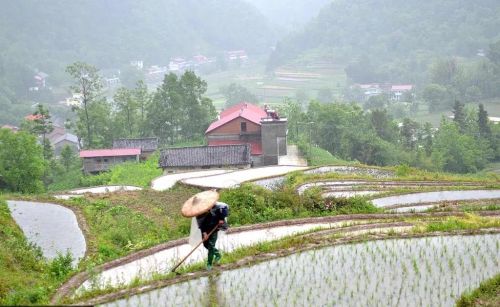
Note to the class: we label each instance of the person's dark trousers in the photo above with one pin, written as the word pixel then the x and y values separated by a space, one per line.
pixel 210 245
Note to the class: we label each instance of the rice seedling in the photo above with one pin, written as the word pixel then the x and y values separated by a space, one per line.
pixel 394 272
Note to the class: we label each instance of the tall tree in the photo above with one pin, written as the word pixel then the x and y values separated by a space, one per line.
pixel 40 124
pixel 483 122
pixel 126 107
pixel 87 83
pixel 409 133
pixel 427 138
pixel 143 98
pixel 459 116
pixel 21 161
pixel 179 110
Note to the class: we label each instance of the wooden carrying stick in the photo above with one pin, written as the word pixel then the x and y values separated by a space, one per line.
pixel 203 240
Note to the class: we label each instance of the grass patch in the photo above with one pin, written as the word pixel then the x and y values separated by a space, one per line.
pixel 317 156
pixel 488 294
pixel 468 222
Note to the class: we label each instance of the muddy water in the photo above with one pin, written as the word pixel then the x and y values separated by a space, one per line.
pixel 430 271
pixel 429 197
pixel 51 227
pixel 163 261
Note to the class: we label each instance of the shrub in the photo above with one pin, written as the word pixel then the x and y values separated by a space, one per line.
pixel 61 266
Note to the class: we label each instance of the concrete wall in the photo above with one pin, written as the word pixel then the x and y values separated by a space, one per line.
pixel 100 164
pixel 234 127
pixel 273 141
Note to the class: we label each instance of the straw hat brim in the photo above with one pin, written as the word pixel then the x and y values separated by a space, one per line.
pixel 199 203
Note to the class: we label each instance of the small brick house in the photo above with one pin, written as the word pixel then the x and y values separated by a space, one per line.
pixel 99 160
pixel 260 128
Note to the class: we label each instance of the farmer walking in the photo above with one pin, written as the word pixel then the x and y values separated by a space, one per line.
pixel 210 217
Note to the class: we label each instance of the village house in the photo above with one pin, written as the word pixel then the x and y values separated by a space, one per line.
pixel 155 73
pixel 11 128
pixel 246 123
pixel 394 91
pixel 147 145
pixel 100 160
pixel 260 130
pixel 398 90
pixel 59 137
pixel 40 80
pixel 205 157
pixel 236 55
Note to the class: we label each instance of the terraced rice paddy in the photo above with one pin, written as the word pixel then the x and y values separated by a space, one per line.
pixel 163 261
pixel 52 227
pixel 430 271
pixel 352 170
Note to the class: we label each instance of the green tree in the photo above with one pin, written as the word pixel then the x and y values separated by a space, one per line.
pixel 427 138
pixel 41 125
pixel 87 83
pixel 483 122
pixel 143 98
pixel 436 96
pixel 459 116
pixel 409 134
pixel 383 125
pixel 126 109
pixel 21 162
pixel 457 152
pixel 68 157
pixel 236 93
pixel 179 110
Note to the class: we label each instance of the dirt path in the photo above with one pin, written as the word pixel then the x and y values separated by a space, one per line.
pixel 233 179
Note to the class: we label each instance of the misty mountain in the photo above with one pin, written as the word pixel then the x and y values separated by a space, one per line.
pixel 289 14
pixel 396 38
pixel 44 34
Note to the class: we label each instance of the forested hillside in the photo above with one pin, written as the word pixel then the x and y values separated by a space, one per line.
pixel 392 40
pixel 49 35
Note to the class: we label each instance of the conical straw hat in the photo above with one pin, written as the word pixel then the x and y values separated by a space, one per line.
pixel 200 203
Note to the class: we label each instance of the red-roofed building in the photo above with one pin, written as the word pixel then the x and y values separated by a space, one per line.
pixel 33 117
pixel 246 123
pixel 99 160
pixel 11 128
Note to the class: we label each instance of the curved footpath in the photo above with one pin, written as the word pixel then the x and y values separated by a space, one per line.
pixel 165 182
pixel 164 255
pixel 233 179
pixel 97 190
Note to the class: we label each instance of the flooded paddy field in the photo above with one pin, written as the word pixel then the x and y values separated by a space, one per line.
pixel 429 271
pixel 352 170
pixel 382 186
pixel 53 228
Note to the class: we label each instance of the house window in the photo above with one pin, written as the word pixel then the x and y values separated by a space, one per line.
pixel 243 127
pixel 105 160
